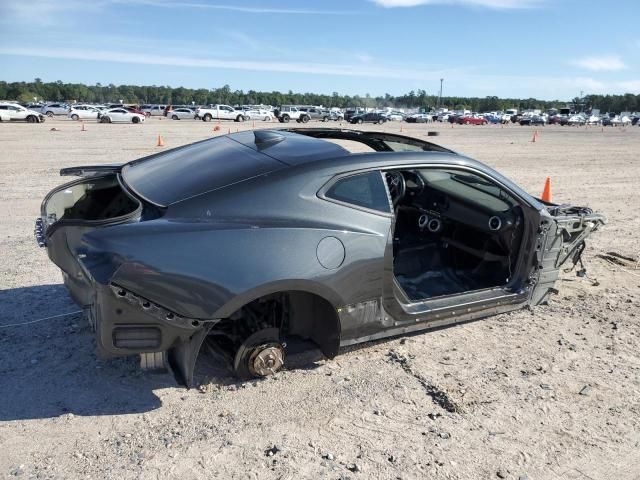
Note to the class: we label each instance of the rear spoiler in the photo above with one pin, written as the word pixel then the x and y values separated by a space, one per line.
pixel 90 171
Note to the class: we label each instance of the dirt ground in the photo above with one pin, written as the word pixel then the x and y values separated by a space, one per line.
pixel 547 393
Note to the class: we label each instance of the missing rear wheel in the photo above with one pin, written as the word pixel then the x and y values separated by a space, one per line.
pixel 260 355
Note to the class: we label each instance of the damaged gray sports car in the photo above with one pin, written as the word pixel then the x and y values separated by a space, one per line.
pixel 256 240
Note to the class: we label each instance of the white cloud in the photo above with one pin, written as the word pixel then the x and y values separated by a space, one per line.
pixel 45 12
pixel 359 70
pixel 232 8
pixel 630 86
pixel 497 4
pixel 363 57
pixel 598 63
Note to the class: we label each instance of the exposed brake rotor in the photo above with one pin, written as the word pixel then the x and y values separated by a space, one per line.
pixel 266 359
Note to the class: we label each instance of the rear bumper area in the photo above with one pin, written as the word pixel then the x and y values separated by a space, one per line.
pixel 127 323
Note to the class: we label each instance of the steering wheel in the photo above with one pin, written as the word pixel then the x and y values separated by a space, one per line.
pixel 397 186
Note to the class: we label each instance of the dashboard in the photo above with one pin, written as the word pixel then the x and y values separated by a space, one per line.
pixel 447 197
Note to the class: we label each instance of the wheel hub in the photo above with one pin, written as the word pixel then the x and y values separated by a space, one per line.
pixel 266 359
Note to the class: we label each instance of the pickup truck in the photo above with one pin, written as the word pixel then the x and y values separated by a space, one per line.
pixel 288 112
pixel 220 112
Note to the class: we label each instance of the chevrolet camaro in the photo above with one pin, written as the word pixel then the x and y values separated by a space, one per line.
pixel 255 240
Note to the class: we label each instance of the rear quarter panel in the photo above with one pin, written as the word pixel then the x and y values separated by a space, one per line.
pixel 212 254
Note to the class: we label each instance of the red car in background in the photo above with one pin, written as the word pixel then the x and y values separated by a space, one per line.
pixel 135 110
pixel 472 120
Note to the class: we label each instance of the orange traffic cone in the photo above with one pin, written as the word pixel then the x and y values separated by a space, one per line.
pixel 160 141
pixel 83 129
pixel 535 136
pixel 546 192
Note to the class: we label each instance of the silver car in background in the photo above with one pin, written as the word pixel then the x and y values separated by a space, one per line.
pixel 258 114
pixel 55 109
pixel 182 113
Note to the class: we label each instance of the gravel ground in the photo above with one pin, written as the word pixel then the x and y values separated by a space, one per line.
pixel 547 393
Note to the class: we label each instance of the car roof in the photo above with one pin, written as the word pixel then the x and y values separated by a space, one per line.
pixel 289 147
pixel 221 161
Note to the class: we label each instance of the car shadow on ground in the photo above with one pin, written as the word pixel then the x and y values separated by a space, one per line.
pixel 49 368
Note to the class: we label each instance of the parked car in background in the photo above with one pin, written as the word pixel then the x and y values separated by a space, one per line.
pixel 289 112
pixel 182 113
pixel 317 113
pixel 371 117
pixel 55 109
pixel 121 115
pixel 473 119
pixel 153 110
pixel 258 114
pixel 32 106
pixel 616 121
pixel 559 119
pixel 505 118
pixel 532 120
pixel 443 117
pixel 419 118
pixel 135 110
pixel 576 120
pixel 350 112
pixel 336 116
pixel 83 112
pixel 394 116
pixel 220 112
pixel 594 120
pixel 494 118
pixel 13 112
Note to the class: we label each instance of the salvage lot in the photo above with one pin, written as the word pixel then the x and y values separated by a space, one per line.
pixel 552 392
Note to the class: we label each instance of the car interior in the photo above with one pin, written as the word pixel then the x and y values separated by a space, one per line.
pixel 455 232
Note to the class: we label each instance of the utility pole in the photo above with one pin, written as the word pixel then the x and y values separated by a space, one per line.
pixel 440 101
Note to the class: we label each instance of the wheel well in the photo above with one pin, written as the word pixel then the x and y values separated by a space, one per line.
pixel 295 313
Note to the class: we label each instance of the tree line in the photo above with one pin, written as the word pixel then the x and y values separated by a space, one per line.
pixel 135 94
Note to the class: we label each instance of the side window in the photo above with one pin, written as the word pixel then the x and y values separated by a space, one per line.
pixel 364 190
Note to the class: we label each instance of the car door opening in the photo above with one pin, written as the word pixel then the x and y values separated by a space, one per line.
pixel 454 232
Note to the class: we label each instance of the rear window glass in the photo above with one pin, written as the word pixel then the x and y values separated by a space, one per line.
pixel 364 190
pixel 185 172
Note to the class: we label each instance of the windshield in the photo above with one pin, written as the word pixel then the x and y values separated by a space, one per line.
pixel 469 186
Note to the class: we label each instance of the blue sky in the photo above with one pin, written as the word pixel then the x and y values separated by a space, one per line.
pixel 550 49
